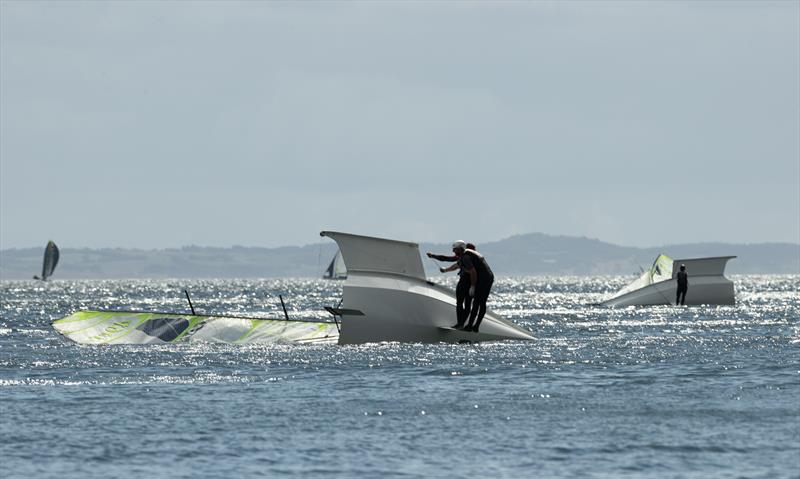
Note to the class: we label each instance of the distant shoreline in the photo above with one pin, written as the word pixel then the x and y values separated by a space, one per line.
pixel 534 254
pixel 314 278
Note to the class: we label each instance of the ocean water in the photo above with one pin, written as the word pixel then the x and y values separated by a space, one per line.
pixel 639 392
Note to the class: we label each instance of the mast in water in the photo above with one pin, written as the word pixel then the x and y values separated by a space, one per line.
pixel 50 261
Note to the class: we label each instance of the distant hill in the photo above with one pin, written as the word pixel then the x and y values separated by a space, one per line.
pixel 538 253
pixel 529 254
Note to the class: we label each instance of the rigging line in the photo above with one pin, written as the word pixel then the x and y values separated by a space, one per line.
pixel 436 262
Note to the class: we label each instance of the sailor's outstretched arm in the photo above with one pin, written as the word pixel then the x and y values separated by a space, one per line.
pixel 441 257
pixel 452 267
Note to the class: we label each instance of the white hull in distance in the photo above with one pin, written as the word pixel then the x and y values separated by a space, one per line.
pixel 707 284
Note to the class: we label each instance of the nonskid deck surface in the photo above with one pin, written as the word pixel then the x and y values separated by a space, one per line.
pixel 133 327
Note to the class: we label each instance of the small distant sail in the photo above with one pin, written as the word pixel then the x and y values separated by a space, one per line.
pixel 50 261
pixel 337 268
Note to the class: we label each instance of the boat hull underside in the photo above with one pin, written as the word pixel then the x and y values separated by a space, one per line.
pixel 400 310
pixel 713 290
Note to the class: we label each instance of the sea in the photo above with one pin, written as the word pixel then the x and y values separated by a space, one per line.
pixel 632 392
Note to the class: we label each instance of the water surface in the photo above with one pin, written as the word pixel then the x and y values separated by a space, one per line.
pixel 644 392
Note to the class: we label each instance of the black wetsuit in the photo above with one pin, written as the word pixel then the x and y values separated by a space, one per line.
pixel 683 287
pixel 463 301
pixel 472 259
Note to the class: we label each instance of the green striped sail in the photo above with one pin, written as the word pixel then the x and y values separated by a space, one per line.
pixel 122 327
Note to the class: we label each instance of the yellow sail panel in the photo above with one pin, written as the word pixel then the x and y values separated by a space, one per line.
pixel 121 327
pixel 662 269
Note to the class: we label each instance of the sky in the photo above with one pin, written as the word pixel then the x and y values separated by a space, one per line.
pixel 164 124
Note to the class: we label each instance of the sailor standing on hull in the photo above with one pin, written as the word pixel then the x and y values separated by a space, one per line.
pixel 481 280
pixel 683 286
pixel 463 299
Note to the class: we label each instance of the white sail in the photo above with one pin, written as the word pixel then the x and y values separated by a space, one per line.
pixel 336 269
pixel 660 271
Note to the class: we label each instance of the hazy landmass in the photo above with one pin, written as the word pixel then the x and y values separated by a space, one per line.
pixel 529 254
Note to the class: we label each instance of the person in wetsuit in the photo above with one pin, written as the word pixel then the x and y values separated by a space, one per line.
pixel 481 280
pixel 683 286
pixel 463 300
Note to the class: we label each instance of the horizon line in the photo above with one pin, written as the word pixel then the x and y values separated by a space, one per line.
pixel 322 242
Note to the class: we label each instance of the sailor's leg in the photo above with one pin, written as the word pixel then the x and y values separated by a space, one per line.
pixel 481 298
pixel 462 302
pixel 481 307
pixel 473 311
pixel 460 316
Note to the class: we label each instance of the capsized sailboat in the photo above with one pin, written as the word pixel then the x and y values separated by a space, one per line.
pixel 337 268
pixel 657 285
pixel 137 327
pixel 387 297
pixel 50 261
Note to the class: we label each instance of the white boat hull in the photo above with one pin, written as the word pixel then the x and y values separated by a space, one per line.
pixel 707 285
pixel 702 290
pixel 392 300
pixel 407 310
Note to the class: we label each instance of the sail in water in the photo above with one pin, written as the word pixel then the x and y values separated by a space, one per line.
pixel 337 268
pixel 660 271
pixel 50 261
pixel 130 327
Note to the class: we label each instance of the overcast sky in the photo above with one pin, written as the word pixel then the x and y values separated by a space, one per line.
pixel 158 124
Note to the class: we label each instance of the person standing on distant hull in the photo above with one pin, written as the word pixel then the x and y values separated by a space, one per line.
pixel 463 300
pixel 481 280
pixel 683 286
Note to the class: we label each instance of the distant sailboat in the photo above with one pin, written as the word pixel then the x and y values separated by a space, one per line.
pixel 50 261
pixel 337 269
pixel 708 284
